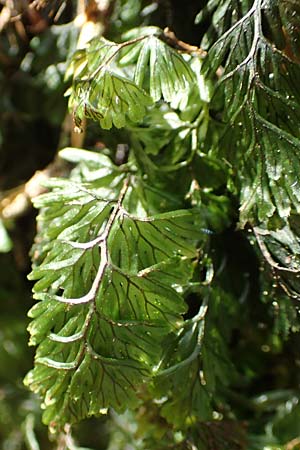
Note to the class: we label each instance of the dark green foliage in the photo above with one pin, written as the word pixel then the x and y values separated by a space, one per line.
pixel 260 91
pixel 260 57
pixel 165 266
pixel 108 288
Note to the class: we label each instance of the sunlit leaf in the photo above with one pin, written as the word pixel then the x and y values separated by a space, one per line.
pixel 160 69
pixel 108 285
pixel 104 92
pixel 259 84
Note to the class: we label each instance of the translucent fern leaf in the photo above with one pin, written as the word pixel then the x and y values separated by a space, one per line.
pixel 261 108
pixel 160 70
pixel 183 359
pixel 100 93
pixel 103 91
pixel 108 284
pixel 108 98
pixel 280 250
pixel 222 14
pixel 198 358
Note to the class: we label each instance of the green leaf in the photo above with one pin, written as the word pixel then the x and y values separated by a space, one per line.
pixel 109 284
pixel 259 98
pixel 105 91
pixel 181 366
pixel 280 254
pixel 109 98
pixel 260 89
pixel 99 92
pixel 196 357
pixel 160 69
pixel 222 14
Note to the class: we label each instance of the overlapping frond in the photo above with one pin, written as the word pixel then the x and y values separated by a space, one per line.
pixel 138 296
pixel 159 68
pixel 257 57
pixel 182 364
pixel 105 91
pixel 280 254
pixel 108 283
pixel 196 357
pixel 260 87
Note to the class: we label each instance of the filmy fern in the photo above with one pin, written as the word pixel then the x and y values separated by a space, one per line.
pixel 262 113
pixel 135 290
pixel 260 56
pixel 101 90
pixel 108 289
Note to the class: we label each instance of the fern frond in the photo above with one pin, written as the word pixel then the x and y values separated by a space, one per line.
pixel 222 14
pixel 103 91
pixel 108 283
pixel 197 357
pixel 280 250
pixel 160 69
pixel 182 364
pixel 261 113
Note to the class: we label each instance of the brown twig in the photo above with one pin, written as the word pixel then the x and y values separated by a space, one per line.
pixel 171 39
pixel 293 445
